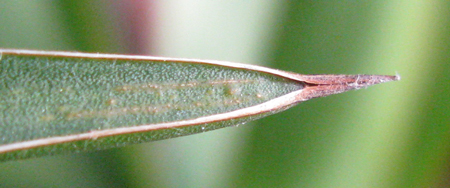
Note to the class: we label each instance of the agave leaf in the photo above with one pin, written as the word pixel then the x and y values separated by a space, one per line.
pixel 59 102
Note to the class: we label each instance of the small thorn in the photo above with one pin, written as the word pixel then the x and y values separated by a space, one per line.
pixel 397 76
pixel 324 85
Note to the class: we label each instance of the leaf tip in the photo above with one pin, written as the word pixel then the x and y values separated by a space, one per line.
pixel 324 85
pixel 397 76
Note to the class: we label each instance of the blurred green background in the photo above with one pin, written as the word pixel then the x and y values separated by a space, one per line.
pixel 391 135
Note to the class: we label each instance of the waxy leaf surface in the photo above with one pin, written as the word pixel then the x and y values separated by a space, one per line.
pixel 58 102
pixel 44 96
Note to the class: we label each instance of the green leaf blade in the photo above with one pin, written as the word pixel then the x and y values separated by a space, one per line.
pixel 58 102
pixel 48 96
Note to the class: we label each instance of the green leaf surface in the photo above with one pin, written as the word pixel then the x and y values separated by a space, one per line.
pixel 46 96
pixel 55 102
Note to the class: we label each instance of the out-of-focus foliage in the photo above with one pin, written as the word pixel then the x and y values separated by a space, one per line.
pixel 392 135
